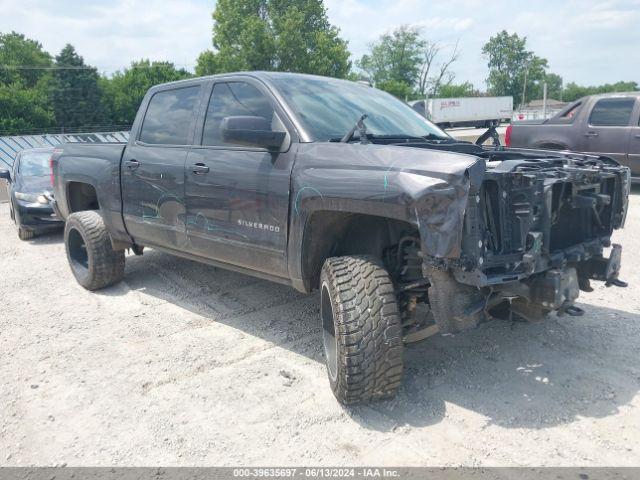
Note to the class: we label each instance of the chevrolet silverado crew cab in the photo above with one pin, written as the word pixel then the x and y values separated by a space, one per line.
pixel 333 186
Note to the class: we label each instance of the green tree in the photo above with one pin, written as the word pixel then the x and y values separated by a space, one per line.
pixel 24 80
pixel 535 88
pixel 285 35
pixel 435 76
pixel 573 91
pixel 24 110
pixel 75 92
pixel 399 89
pixel 511 66
pixel 395 58
pixel 23 60
pixel 124 91
pixel 457 90
pixel 405 64
pixel 554 86
pixel 208 63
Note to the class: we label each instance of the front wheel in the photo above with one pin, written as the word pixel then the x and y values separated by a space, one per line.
pixel 361 329
pixel 92 259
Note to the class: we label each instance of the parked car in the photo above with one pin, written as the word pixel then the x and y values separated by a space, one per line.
pixel 479 112
pixel 29 186
pixel 607 124
pixel 328 185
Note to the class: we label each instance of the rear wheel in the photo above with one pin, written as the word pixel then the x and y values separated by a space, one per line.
pixel 361 329
pixel 92 259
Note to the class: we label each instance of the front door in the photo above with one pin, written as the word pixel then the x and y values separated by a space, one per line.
pixel 608 128
pixel 153 169
pixel 237 197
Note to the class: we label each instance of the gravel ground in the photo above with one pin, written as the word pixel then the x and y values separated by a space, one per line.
pixel 184 364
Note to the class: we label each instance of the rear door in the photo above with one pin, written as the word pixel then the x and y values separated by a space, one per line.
pixel 153 168
pixel 608 127
pixel 237 197
pixel 634 143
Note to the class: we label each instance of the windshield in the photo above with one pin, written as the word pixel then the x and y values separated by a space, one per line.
pixel 35 164
pixel 329 108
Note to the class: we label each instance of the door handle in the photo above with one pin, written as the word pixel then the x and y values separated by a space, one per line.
pixel 132 164
pixel 591 134
pixel 637 136
pixel 199 168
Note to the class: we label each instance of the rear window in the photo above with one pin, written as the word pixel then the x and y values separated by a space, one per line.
pixel 168 120
pixel 612 112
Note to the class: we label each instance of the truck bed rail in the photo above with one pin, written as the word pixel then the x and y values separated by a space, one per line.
pixel 10 146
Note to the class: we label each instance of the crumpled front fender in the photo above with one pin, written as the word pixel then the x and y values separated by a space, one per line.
pixel 426 188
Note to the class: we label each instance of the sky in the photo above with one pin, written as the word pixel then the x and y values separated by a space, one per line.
pixel 586 41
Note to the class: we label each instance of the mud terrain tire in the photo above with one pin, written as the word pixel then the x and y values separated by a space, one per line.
pixel 362 331
pixel 92 259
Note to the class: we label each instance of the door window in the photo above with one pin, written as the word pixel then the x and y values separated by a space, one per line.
pixel 612 112
pixel 235 99
pixel 169 117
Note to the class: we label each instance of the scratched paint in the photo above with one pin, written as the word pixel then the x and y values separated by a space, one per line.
pixel 296 203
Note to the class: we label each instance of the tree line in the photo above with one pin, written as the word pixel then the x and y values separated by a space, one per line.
pixel 40 92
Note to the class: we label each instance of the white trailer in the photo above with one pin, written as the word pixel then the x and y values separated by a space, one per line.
pixel 476 112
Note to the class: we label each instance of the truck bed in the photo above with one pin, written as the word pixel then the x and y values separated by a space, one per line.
pixel 94 164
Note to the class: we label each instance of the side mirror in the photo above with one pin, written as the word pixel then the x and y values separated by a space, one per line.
pixel 6 174
pixel 251 131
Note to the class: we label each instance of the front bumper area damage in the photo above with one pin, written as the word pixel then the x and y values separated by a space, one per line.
pixel 536 232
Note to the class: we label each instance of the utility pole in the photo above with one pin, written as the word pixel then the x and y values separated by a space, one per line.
pixel 544 100
pixel 427 113
pixel 524 87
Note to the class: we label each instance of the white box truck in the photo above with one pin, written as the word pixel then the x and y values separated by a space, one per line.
pixel 477 112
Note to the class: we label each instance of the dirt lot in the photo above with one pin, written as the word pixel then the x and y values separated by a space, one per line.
pixel 183 364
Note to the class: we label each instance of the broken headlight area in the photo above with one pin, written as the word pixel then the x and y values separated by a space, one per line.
pixel 536 233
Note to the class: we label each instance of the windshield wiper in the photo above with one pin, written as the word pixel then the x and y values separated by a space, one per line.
pixel 394 136
pixel 389 136
pixel 361 128
pixel 365 137
pixel 433 136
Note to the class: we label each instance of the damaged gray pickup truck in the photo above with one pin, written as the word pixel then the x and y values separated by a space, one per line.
pixel 333 186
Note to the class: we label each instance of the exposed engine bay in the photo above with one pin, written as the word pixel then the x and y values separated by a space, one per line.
pixel 537 230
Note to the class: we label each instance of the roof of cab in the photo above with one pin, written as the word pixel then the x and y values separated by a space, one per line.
pixel 615 95
pixel 260 75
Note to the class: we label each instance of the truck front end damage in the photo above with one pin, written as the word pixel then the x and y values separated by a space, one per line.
pixel 535 233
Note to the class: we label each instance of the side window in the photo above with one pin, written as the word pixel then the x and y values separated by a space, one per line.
pixel 235 99
pixel 572 112
pixel 169 117
pixel 612 112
